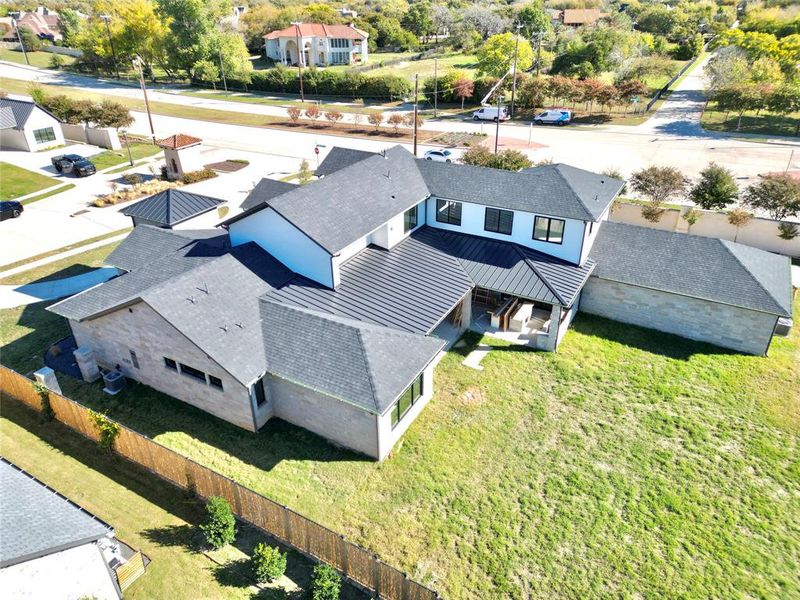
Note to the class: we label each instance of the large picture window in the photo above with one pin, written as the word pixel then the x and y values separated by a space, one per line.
pixel 410 219
pixel 340 43
pixel 44 135
pixel 550 230
pixel 448 212
pixel 407 400
pixel 499 221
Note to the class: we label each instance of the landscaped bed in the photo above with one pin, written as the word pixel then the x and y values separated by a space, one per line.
pixel 629 463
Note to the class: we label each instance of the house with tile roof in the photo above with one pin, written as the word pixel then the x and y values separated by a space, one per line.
pixel 327 305
pixel 316 44
pixel 581 17
pixel 26 126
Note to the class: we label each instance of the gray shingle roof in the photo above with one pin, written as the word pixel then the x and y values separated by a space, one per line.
pixel 349 204
pixel 36 521
pixel 556 190
pixel 510 268
pixel 339 158
pixel 411 288
pixel 360 363
pixel 216 306
pixel 690 265
pixel 172 206
pixel 146 244
pixel 21 111
pixel 129 287
pixel 266 190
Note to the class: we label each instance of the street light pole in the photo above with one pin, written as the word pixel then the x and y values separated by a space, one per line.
pixel 106 19
pixel 435 88
pixel 137 63
pixel 497 128
pixel 222 69
pixel 416 120
pixel 21 45
pixel 514 74
pixel 299 62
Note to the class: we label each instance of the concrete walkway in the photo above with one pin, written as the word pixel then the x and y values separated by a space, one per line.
pixel 12 296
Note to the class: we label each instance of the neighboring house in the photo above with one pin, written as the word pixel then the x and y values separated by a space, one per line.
pixel 336 298
pixel 348 13
pixel 42 22
pixel 52 548
pixel 175 209
pixel 27 126
pixel 320 45
pixel 182 154
pixel 580 17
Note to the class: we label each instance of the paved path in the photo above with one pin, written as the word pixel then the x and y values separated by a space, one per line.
pixel 12 296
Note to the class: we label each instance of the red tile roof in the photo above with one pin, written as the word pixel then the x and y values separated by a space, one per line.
pixel 178 141
pixel 319 30
pixel 581 16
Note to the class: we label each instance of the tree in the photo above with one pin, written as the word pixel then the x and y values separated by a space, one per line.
pixel 739 99
pixel 68 23
pixel 193 33
pixel 508 159
pixel 333 117
pixel 419 20
pixel 778 195
pixel 294 113
pixel 375 119
pixel 207 72
pixel 326 583
pixel 482 20
pixel 110 114
pixel 396 120
pixel 727 67
pixel 220 525
pixel 442 19
pixel 305 173
pixel 267 563
pixel 534 19
pixel 463 89
pixel 631 90
pixel 786 100
pixel 30 40
pixel 533 93
pixel 358 118
pixel 235 57
pixel 496 55
pixel 715 189
pixel 739 217
pixel 37 93
pixel 321 13
pixel 313 113
pixel 658 184
pixel 56 61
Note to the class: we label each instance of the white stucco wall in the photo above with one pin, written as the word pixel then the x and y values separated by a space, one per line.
pixel 151 337
pixel 388 436
pixel 472 221
pixel 40 120
pixel 286 243
pixel 79 572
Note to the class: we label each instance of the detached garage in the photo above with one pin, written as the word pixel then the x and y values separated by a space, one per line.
pixel 700 288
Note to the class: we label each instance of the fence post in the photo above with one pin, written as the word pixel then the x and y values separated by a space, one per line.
pixel 376 574
pixel 343 551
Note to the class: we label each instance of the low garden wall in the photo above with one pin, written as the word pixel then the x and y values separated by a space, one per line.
pixel 105 137
pixel 759 232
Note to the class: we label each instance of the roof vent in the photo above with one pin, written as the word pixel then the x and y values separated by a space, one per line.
pixel 192 299
pixel 204 289
pixel 224 328
pixel 239 324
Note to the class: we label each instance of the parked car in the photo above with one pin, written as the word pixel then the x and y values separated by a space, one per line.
pixel 489 113
pixel 439 155
pixel 558 116
pixel 75 164
pixel 10 209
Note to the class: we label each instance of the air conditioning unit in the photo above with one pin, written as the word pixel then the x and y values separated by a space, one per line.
pixel 114 382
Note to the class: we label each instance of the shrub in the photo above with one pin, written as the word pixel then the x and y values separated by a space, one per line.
pixel 508 159
pixel 357 119
pixel 313 113
pixel 268 563
pixel 739 217
pixel 333 117
pixel 788 231
pixel 132 178
pixel 617 174
pixel 107 429
pixel 652 211
pixel 294 113
pixel 195 176
pixel 375 119
pixel 305 173
pixel 46 413
pixel 220 527
pixel 56 61
pixel 692 216
pixel 326 584
pixel 715 189
pixel 396 120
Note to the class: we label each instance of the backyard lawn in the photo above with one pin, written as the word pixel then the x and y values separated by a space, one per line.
pixel 629 464
pixel 16 182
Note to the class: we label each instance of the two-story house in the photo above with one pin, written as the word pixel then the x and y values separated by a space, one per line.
pixel 315 44
pixel 327 305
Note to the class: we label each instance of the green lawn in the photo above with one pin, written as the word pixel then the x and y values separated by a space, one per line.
pixel 37 59
pixel 44 195
pixel 111 158
pixel 30 259
pixel 66 267
pixel 763 123
pixel 16 182
pixel 629 464
pixel 425 67
pixel 148 514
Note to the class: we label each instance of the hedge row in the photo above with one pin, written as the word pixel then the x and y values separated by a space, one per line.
pixel 329 83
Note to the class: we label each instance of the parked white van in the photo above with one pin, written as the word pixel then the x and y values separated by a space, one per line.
pixel 558 116
pixel 489 113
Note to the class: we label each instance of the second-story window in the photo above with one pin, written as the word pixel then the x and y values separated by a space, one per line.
pixel 499 221
pixel 448 212
pixel 410 219
pixel 550 230
pixel 340 43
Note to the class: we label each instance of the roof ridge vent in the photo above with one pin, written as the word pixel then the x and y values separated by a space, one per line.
pixel 204 289
pixel 224 328
pixel 239 324
pixel 192 299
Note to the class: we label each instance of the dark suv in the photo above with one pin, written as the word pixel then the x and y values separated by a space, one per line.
pixel 10 209
pixel 75 164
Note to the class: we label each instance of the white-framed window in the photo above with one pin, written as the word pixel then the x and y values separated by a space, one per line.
pixel 44 135
pixel 340 43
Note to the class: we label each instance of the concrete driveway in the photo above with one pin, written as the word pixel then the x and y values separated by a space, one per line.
pixel 39 162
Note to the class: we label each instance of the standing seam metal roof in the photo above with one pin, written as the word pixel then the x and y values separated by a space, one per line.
pixel 172 206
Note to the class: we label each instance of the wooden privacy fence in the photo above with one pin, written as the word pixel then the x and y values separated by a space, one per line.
pixel 291 528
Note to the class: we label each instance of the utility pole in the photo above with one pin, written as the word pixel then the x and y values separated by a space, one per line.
pixel 435 88
pixel 497 128
pixel 514 73
pixel 106 19
pixel 137 62
pixel 128 146
pixel 222 69
pixel 21 45
pixel 539 36
pixel 416 95
pixel 299 60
